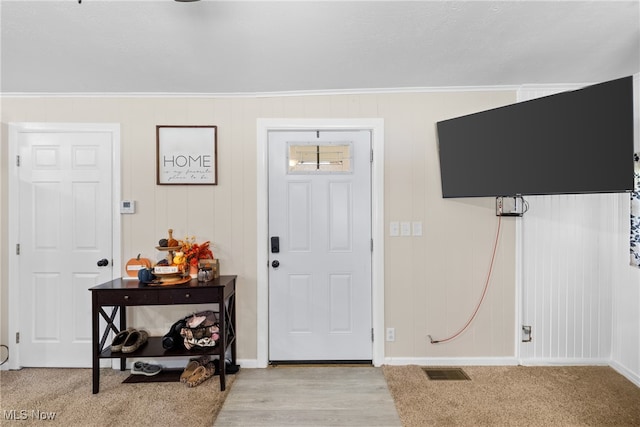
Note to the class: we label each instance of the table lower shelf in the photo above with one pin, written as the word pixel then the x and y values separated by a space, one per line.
pixel 153 348
pixel 166 376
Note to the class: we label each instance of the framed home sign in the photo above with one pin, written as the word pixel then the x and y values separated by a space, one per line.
pixel 186 155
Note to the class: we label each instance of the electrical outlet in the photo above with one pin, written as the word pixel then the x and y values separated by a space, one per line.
pixel 391 334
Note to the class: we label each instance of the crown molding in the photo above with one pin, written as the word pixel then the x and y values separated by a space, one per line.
pixel 329 92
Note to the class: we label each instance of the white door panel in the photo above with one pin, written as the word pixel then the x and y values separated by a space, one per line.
pixel 65 228
pixel 320 294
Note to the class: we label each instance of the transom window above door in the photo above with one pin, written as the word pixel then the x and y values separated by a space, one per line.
pixel 305 158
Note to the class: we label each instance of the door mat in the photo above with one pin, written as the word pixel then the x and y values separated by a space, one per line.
pixel 444 374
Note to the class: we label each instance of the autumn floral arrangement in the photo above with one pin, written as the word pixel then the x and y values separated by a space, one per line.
pixel 184 257
pixel 193 252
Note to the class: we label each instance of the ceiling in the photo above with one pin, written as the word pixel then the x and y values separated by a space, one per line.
pixel 252 47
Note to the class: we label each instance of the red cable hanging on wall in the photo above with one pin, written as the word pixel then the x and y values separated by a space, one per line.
pixel 484 292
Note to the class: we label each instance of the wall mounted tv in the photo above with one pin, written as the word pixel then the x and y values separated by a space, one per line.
pixel 573 142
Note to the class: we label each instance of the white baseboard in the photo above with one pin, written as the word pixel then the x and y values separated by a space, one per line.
pixel 634 378
pixel 248 363
pixel 565 362
pixel 468 361
pixel 451 361
pixel 430 361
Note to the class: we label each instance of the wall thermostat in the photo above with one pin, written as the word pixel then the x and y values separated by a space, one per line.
pixel 127 207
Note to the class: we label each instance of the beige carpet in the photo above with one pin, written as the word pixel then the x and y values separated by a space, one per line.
pixel 67 394
pixel 495 396
pixel 515 396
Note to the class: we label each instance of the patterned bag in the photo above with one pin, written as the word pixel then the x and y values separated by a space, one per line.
pixel 201 330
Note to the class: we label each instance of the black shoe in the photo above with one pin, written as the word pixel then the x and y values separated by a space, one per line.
pixel 173 339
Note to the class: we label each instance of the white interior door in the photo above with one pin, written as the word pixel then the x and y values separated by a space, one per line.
pixel 320 273
pixel 65 228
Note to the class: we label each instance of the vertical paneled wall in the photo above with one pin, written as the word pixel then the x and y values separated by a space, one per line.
pixel 567 267
pixel 432 281
pixel 577 290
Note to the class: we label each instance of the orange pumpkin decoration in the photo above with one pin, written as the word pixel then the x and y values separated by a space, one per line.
pixel 135 264
pixel 171 241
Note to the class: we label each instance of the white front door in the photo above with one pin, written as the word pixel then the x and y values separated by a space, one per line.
pixel 320 256
pixel 65 227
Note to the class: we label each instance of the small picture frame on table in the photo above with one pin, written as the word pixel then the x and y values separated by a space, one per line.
pixel 186 155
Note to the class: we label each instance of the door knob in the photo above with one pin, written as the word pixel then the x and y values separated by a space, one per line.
pixel 275 264
pixel 103 262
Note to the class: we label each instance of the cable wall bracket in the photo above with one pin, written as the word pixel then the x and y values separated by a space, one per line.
pixel 511 206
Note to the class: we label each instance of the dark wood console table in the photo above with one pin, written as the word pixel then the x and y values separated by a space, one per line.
pixel 119 294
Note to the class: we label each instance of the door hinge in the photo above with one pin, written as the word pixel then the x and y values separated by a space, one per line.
pixel 371 158
pixel 371 245
pixel 17 337
pixel 371 334
pixel 18 160
pixel 17 248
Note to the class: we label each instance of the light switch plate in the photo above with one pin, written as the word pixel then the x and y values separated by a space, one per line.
pixel 405 228
pixel 416 227
pixel 394 229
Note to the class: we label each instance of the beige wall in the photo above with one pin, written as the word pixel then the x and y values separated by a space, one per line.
pixel 432 283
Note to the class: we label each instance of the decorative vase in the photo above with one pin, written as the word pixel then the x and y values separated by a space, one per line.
pixel 205 274
pixel 193 271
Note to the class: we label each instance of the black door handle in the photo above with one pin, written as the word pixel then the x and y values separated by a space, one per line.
pixel 275 264
pixel 103 262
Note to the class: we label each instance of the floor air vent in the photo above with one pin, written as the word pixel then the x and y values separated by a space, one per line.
pixel 446 374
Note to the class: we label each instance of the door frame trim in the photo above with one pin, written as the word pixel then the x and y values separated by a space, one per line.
pixel 14 213
pixel 264 126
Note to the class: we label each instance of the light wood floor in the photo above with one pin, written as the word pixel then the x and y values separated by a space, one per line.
pixel 309 396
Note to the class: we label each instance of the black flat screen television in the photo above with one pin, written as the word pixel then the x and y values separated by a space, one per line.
pixel 572 142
